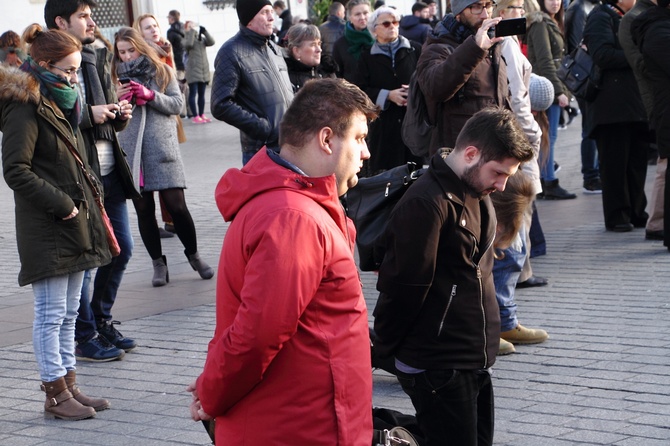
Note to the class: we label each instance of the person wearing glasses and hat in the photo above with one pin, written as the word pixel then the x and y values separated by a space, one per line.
pixel 460 70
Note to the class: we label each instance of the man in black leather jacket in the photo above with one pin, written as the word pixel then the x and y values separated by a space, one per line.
pixel 437 313
pixel 251 89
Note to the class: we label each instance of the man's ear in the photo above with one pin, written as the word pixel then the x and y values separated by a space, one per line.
pixel 471 155
pixel 325 135
pixel 61 23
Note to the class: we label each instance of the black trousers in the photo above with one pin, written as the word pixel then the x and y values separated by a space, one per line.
pixel 453 407
pixel 622 151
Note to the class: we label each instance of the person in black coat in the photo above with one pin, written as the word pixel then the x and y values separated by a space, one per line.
pixel 617 120
pixel 383 73
pixel 356 38
pixel 651 32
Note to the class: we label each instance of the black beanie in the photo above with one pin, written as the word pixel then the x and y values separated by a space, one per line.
pixel 247 9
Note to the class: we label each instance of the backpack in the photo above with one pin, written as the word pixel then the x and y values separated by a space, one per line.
pixel 416 129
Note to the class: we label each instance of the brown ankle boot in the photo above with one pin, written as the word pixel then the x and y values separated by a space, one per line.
pixel 97 403
pixel 61 404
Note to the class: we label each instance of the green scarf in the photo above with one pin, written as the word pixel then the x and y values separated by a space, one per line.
pixel 357 40
pixel 56 89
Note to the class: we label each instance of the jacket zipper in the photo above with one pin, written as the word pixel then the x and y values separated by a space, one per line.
pixel 446 310
pixel 481 299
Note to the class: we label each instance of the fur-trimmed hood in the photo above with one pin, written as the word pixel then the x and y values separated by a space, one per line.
pixel 18 86
pixel 536 17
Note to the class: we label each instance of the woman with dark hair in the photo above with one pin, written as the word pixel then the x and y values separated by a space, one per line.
pixel 384 71
pixel 617 120
pixel 59 228
pixel 304 58
pixel 356 38
pixel 153 151
pixel 545 51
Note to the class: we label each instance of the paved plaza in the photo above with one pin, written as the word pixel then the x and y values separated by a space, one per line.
pixel 603 377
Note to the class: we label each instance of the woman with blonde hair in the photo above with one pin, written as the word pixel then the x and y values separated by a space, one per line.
pixel 153 151
pixel 59 227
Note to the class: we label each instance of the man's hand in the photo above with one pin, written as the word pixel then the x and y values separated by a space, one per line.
pixel 104 113
pixel 482 37
pixel 563 100
pixel 399 96
pixel 197 414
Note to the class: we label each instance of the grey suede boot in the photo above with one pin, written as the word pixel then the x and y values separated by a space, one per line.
pixel 161 274
pixel 199 265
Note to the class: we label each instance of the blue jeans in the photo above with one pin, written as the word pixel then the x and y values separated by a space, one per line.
pixel 56 304
pixel 589 149
pixel 547 160
pixel 506 273
pixel 108 277
pixel 453 407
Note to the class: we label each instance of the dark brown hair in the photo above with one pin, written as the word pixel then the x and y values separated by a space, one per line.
pixel 328 103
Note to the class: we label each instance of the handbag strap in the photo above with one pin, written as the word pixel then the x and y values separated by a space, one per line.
pixel 92 182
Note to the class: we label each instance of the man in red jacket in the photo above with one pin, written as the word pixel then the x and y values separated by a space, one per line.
pixel 289 363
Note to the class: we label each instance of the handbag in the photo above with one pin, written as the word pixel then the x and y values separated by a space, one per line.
pixel 93 183
pixel 369 205
pixel 579 74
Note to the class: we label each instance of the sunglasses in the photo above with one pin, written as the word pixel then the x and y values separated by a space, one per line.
pixel 388 24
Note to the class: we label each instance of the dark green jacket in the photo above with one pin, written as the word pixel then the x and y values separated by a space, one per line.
pixel 47 184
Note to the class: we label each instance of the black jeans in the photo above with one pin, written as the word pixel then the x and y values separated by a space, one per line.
pixel 453 407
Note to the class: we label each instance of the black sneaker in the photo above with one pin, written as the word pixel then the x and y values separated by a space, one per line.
pixel 593 186
pixel 97 349
pixel 113 336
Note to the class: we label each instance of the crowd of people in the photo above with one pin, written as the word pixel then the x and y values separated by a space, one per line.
pixel 458 244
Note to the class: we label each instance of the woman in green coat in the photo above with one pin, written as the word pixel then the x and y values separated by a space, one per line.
pixel 59 228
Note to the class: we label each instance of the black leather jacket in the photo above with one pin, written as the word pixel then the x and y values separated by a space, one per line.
pixel 437 306
pixel 251 88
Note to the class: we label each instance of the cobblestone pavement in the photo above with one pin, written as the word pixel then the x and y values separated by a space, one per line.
pixel 601 379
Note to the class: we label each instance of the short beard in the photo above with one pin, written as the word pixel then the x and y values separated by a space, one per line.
pixel 87 40
pixel 470 178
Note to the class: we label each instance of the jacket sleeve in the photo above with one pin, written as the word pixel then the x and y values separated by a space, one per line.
pixel 274 296
pixel 18 149
pixel 170 101
pixel 520 102
pixel 442 70
pixel 540 46
pixel 363 79
pixel 656 47
pixel 224 106
pixel 407 272
pixel 574 26
pixel 209 40
pixel 601 42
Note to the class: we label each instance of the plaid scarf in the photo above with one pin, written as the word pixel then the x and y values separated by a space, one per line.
pixel 57 90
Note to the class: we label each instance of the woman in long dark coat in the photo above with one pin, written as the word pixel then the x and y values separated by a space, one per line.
pixel 383 73
pixel 616 119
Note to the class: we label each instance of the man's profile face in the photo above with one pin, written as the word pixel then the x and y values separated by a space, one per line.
pixel 424 13
pixel 349 151
pixel 80 26
pixel 262 23
pixel 474 21
pixel 484 178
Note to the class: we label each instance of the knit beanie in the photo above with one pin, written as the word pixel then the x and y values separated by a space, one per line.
pixel 541 92
pixel 247 9
pixel 457 6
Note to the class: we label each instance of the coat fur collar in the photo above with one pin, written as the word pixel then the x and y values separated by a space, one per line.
pixel 18 86
pixel 536 17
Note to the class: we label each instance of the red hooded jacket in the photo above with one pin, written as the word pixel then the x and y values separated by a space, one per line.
pixel 289 363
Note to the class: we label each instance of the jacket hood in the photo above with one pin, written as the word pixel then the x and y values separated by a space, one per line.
pixel 237 187
pixel 178 27
pixel 18 86
pixel 410 21
pixel 537 17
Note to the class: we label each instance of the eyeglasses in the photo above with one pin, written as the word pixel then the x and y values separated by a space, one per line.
pixel 515 7
pixel 477 8
pixel 68 72
pixel 388 24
